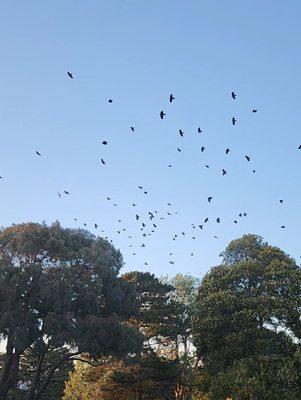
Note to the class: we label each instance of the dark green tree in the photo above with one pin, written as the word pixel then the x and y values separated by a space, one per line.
pixel 247 324
pixel 157 315
pixel 60 288
pixel 28 362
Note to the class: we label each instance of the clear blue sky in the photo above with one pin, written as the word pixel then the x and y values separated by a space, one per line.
pixel 137 53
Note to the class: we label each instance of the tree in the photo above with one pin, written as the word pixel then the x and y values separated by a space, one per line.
pixel 184 294
pixel 157 315
pixel 60 288
pixel 247 324
pixel 28 362
pixel 147 378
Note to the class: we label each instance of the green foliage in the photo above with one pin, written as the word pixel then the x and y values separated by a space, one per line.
pixel 157 312
pixel 248 323
pixel 150 378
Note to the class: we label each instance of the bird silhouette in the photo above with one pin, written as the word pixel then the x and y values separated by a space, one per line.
pixel 233 95
pixel 181 132
pixel 103 161
pixel 171 98
pixel 66 192
pixel 281 201
pixel 162 114
pixel 39 154
pixel 202 149
pixel 227 151
pixel 132 128
pixel 224 172
pixel 199 130
pixel 210 199
pixel 218 220
pixel 248 158
pixel 104 142
pixel 70 75
pixel 110 101
pixel 179 150
pixel 234 121
pixel 254 111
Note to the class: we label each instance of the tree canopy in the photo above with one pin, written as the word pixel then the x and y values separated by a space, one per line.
pixel 247 323
pixel 60 288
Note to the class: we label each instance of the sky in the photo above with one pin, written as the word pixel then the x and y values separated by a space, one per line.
pixel 137 53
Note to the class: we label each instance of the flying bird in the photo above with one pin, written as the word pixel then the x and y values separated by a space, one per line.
pixel 171 98
pixel 218 220
pixel 104 142
pixel 202 149
pixel 181 132
pixel 179 150
pixel 110 101
pixel 66 192
pixel 70 75
pixel 281 201
pixel 95 226
pixel 209 199
pixel 254 111
pixel 227 151
pixel 224 172
pixel 103 161
pixel 233 95
pixel 199 130
pixel 39 154
pixel 234 121
pixel 132 128
pixel 162 114
pixel 248 158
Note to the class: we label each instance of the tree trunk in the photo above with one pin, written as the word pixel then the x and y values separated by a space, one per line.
pixel 36 378
pixel 10 376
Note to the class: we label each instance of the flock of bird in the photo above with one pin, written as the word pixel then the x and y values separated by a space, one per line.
pixel 149 221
